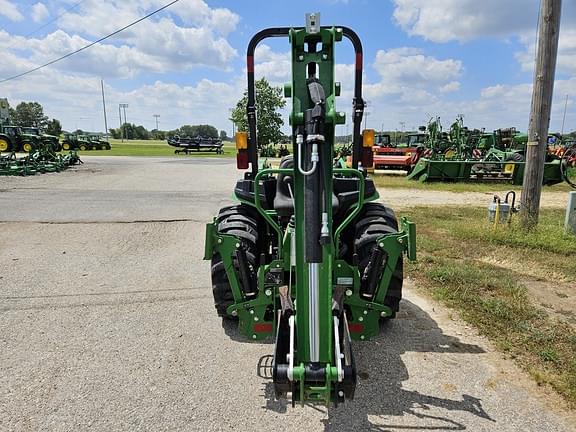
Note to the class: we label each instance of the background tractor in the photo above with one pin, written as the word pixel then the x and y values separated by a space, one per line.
pixel 308 255
pixel 13 139
pixel 52 141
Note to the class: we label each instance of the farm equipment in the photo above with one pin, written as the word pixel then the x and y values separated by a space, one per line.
pixel 306 255
pixel 85 142
pixel 13 139
pixel 97 143
pixel 76 142
pixel 398 156
pixel 198 143
pixel 42 159
pixel 473 155
pixel 51 140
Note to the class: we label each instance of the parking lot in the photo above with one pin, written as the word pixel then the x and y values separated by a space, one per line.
pixel 107 322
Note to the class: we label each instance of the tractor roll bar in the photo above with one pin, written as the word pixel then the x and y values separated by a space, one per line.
pixel 357 104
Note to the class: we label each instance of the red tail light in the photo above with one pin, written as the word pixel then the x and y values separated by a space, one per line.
pixel 356 328
pixel 263 328
pixel 242 159
pixel 367 158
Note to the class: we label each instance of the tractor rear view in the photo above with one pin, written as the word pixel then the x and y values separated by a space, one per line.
pixel 307 255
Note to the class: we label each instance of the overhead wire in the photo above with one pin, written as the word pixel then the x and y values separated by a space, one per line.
pixel 74 6
pixel 85 47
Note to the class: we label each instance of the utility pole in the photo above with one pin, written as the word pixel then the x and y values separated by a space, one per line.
pixel 564 116
pixel 120 115
pixel 549 28
pixel 156 116
pixel 123 106
pixel 104 108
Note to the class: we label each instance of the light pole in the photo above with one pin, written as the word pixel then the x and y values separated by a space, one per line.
pixel 123 129
pixel 156 116
pixel 366 113
pixel 231 111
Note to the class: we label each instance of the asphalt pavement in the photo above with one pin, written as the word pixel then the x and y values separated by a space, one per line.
pixel 107 323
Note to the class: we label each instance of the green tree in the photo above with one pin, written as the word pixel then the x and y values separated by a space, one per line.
pixel 268 120
pixel 158 134
pixel 29 114
pixel 54 127
pixel 192 131
pixel 141 133
pixel 223 135
pixel 116 133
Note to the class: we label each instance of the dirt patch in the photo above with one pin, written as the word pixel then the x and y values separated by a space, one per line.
pixel 406 198
pixel 550 289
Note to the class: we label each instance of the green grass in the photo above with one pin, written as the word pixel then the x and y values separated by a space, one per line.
pixel 453 244
pixel 153 148
pixel 399 181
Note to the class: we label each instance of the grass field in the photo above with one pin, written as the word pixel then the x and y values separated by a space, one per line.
pixel 484 274
pixel 153 148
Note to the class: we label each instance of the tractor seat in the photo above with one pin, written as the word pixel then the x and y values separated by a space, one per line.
pixel 283 203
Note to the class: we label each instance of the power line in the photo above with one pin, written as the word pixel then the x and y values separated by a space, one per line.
pixel 89 45
pixel 74 6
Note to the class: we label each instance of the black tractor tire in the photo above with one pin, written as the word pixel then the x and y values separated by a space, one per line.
pixel 83 147
pixel 516 157
pixel 242 222
pixel 374 221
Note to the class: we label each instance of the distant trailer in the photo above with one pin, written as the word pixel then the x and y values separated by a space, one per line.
pixel 197 144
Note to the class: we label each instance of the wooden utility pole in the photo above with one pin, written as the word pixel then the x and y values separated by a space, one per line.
pixel 104 108
pixel 548 32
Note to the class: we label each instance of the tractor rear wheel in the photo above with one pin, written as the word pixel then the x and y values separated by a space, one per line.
pixel 242 222
pixel 4 145
pixel 374 221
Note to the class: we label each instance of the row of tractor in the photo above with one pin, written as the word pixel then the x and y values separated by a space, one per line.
pixel 463 154
pixel 27 139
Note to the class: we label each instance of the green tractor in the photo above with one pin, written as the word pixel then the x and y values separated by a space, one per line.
pixel 307 255
pixel 52 141
pixel 98 143
pixel 76 142
pixel 13 139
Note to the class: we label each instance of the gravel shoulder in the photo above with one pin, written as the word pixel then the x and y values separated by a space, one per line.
pixel 107 323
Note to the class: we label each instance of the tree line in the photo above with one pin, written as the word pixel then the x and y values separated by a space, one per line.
pixel 131 131
pixel 31 114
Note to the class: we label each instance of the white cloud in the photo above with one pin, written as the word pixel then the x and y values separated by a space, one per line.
pixel 463 20
pixel 274 66
pixel 156 46
pixel 39 12
pixel 411 74
pixel 566 62
pixel 77 101
pixel 452 86
pixel 10 11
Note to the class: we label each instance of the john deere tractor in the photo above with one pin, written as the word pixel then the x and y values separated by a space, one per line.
pixel 49 140
pixel 307 255
pixel 13 139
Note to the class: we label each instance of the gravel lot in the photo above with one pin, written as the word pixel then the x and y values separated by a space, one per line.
pixel 107 323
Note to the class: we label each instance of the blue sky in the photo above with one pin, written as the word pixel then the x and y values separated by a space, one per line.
pixel 422 58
